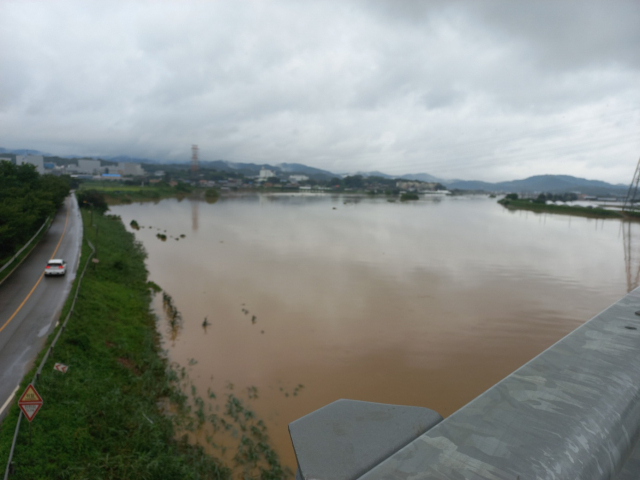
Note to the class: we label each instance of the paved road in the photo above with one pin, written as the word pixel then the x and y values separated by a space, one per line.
pixel 30 304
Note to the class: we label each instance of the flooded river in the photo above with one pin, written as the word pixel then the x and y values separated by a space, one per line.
pixel 310 299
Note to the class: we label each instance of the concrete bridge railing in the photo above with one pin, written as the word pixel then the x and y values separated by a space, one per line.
pixel 573 412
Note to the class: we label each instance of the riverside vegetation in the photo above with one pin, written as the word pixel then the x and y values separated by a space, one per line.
pixel 512 201
pixel 119 411
pixel 117 193
pixel 26 200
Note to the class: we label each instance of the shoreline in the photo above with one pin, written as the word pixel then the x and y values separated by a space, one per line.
pixel 578 211
pixel 119 410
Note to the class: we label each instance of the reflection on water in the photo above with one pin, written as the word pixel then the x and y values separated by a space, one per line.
pixel 426 303
pixel 194 215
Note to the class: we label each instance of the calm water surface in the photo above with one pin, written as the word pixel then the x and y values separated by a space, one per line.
pixel 427 303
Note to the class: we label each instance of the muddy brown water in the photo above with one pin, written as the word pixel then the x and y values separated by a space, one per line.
pixel 426 303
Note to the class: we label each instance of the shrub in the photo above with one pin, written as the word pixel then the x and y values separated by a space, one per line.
pixel 409 196
pixel 92 199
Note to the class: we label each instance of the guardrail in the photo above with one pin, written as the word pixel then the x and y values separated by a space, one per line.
pixel 573 412
pixel 46 357
pixel 25 246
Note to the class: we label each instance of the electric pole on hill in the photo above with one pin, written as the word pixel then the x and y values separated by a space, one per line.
pixel 194 161
pixel 633 190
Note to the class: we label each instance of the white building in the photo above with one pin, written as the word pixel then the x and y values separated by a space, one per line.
pixel 416 186
pixel 298 178
pixel 37 160
pixel 90 167
pixel 126 168
pixel 264 174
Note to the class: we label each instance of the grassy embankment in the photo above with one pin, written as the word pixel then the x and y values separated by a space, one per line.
pixel 104 417
pixel 522 204
pixel 118 194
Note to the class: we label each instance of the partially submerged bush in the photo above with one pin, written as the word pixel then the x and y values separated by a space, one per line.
pixel 92 199
pixel 409 196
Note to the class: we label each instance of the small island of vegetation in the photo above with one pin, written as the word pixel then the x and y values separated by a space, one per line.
pixel 409 196
pixel 541 205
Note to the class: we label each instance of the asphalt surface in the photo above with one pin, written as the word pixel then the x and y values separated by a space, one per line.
pixel 30 304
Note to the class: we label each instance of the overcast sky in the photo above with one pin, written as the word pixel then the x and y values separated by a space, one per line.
pixel 487 90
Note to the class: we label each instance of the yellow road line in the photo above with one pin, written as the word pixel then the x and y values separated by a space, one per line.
pixel 41 275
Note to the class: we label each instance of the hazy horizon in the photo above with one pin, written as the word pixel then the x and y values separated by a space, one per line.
pixel 481 90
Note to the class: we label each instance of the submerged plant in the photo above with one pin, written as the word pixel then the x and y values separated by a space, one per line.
pixel 228 425
pixel 172 314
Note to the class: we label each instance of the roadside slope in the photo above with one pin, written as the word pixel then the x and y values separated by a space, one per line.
pixel 102 418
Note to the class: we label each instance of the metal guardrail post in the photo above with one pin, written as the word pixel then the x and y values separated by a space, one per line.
pixel 24 246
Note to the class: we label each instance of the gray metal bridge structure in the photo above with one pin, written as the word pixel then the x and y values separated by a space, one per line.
pixel 572 412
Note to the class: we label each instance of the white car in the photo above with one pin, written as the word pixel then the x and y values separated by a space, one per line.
pixel 56 266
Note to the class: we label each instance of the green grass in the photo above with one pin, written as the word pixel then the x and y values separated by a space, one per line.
pixel 560 209
pixel 119 193
pixel 96 418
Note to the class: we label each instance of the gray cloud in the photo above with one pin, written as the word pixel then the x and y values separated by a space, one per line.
pixel 484 89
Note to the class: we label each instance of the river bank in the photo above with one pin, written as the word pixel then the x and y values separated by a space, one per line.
pixel 576 210
pixel 118 412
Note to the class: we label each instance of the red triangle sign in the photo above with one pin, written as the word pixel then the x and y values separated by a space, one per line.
pixel 30 402
pixel 30 410
pixel 30 395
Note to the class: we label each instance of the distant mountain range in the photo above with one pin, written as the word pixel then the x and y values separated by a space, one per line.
pixel 537 183
pixel 542 183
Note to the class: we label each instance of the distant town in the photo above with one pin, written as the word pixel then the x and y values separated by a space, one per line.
pixel 229 176
pixel 206 177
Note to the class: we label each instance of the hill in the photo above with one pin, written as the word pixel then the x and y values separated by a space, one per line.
pixel 544 183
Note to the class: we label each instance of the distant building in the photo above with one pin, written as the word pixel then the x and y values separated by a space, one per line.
pixel 298 178
pixel 264 174
pixel 6 159
pixel 412 186
pixel 88 166
pixel 37 160
pixel 126 168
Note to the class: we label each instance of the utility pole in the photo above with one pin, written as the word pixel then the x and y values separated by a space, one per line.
pixel 194 161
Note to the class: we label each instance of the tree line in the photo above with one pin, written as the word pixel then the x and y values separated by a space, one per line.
pixel 26 200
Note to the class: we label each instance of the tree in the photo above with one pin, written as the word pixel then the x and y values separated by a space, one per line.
pixel 92 199
pixel 183 187
pixel 26 200
pixel 355 181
